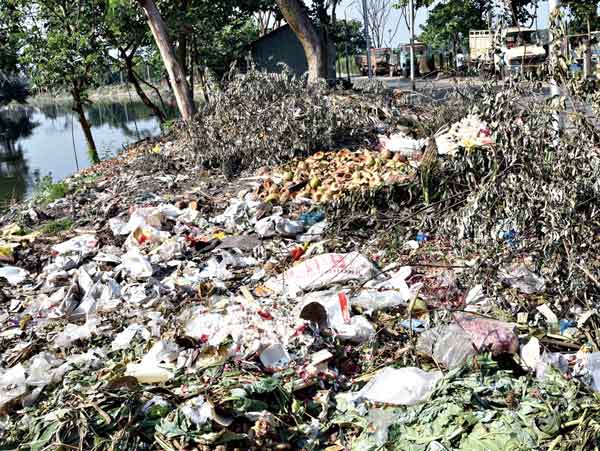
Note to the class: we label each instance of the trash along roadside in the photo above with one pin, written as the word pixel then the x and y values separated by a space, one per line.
pixel 235 320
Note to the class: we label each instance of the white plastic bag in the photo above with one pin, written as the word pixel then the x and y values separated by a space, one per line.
pixel 400 386
pixel 83 245
pixel 13 274
pixel 137 265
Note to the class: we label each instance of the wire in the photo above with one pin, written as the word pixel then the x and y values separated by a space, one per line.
pixel 73 139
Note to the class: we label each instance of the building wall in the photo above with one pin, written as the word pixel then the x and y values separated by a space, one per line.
pixel 282 46
pixel 279 46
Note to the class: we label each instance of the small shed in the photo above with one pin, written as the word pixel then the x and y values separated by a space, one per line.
pixel 282 46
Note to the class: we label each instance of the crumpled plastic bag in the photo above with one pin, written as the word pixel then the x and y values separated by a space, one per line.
pixel 199 411
pixel 523 279
pixel 453 344
pixel 83 245
pixel 12 385
pixel 329 309
pixel 314 233
pixel 400 386
pixel 73 332
pixel 323 271
pixel 137 265
pixel 276 225
pixel 239 214
pixel 124 339
pixel 402 143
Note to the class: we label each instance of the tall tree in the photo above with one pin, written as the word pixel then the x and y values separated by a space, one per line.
pixel 64 50
pixel 380 21
pixel 12 33
pixel 127 32
pixel 584 15
pixel 296 15
pixel 179 84
pixel 349 32
pixel 449 22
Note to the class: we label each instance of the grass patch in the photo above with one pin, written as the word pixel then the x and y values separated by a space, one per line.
pixel 57 226
pixel 46 191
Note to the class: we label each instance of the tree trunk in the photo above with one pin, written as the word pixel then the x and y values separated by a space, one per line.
pixel 182 41
pixel 181 89
pixel 85 125
pixel 138 88
pixel 300 23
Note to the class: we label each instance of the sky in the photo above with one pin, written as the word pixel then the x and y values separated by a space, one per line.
pixel 403 35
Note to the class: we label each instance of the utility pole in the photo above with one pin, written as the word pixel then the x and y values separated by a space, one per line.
pixel 346 49
pixel 411 7
pixel 367 38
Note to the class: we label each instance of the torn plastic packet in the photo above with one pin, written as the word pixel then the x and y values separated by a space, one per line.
pixel 323 271
pixel 83 245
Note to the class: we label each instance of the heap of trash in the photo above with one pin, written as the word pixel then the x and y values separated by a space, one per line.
pixel 202 315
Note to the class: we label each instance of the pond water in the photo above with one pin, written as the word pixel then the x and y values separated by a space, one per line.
pixel 48 140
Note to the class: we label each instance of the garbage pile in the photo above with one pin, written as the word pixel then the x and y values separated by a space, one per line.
pixel 225 317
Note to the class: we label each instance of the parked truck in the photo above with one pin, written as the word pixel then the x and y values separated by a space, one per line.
pixel 383 62
pixel 512 48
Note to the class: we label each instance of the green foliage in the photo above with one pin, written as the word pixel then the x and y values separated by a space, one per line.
pixel 63 46
pixel 12 90
pixel 46 191
pixel 350 32
pixel 583 11
pixel 57 226
pixel 449 22
pixel 12 33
